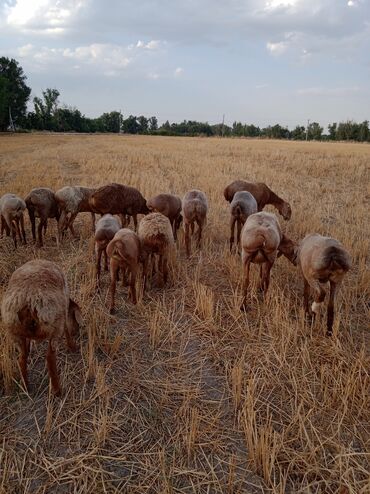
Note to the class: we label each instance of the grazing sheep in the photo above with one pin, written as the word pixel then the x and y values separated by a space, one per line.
pixel 11 212
pixel 105 230
pixel 194 210
pixel 36 306
pixel 322 260
pixel 261 238
pixel 41 203
pixel 124 253
pixel 118 199
pixel 263 195
pixel 71 201
pixel 156 238
pixel 169 205
pixel 242 206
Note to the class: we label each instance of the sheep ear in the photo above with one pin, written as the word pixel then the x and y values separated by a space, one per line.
pixel 74 308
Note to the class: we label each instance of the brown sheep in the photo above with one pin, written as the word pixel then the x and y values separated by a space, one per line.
pixel 36 306
pixel 194 210
pixel 169 205
pixel 263 195
pixel 261 240
pixel 322 260
pixel 11 212
pixel 242 206
pixel 124 253
pixel 106 227
pixel 71 201
pixel 118 199
pixel 156 238
pixel 41 203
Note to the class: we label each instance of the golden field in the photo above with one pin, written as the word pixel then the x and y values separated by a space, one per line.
pixel 184 393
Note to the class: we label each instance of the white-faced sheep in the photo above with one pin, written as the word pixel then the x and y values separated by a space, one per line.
pixel 242 206
pixel 156 239
pixel 11 212
pixel 263 195
pixel 124 252
pixel 118 199
pixel 194 210
pixel 71 201
pixel 36 306
pixel 322 260
pixel 169 205
pixel 261 240
pixel 106 228
pixel 41 203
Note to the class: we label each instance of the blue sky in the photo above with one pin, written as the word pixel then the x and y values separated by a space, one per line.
pixel 255 61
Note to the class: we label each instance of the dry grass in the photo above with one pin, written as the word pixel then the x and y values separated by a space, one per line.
pixel 184 393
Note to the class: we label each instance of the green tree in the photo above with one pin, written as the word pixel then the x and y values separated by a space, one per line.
pixel 299 133
pixel 14 93
pixel 315 131
pixel 153 124
pixel 332 128
pixel 46 109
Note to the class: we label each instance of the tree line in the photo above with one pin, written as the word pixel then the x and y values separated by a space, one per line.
pixel 49 115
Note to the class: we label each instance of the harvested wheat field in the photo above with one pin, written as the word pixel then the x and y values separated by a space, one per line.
pixel 184 392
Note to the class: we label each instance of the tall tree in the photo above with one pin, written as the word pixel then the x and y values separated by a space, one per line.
pixel 14 93
pixel 46 108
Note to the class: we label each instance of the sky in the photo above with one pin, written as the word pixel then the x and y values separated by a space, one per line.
pixel 255 61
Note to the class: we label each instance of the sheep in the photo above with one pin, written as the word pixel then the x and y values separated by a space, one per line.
pixel 11 212
pixel 156 237
pixel 322 260
pixel 118 199
pixel 71 201
pixel 41 203
pixel 106 227
pixel 242 206
pixel 263 195
pixel 261 241
pixel 36 306
pixel 124 252
pixel 194 210
pixel 169 205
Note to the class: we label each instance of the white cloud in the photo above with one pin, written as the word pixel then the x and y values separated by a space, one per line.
pixel 277 48
pixel 275 4
pixel 178 72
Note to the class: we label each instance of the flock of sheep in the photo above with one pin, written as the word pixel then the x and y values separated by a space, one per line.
pixel 37 305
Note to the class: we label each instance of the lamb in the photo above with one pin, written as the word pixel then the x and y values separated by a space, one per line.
pixel 322 260
pixel 36 306
pixel 124 253
pixel 194 210
pixel 105 230
pixel 261 241
pixel 156 237
pixel 263 195
pixel 118 199
pixel 71 201
pixel 169 205
pixel 41 203
pixel 11 212
pixel 242 206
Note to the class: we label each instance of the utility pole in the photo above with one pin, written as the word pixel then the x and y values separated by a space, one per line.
pixel 308 123
pixel 223 125
pixel 11 120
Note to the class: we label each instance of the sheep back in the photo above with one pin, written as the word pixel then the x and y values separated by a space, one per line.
pixel 118 199
pixel 155 232
pixel 43 202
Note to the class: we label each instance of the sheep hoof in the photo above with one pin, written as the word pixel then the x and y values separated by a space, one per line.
pixel 112 310
pixel 244 307
pixel 329 333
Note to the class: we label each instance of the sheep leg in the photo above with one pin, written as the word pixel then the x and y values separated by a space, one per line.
pixel 266 270
pixel 145 272
pixel 134 216
pixel 24 346
pixel 232 232
pixel 39 231
pixel 238 232
pixel 133 284
pixel 70 224
pixel 319 296
pixel 31 214
pixel 98 266
pixel 200 229
pixel 187 239
pixel 105 259
pixel 71 343
pixel 61 224
pixel 164 267
pixel 306 300
pixel 192 227
pixel 22 229
pixel 123 220
pixel 174 229
pixel 113 282
pixel 16 223
pixel 52 369
pixel 93 222
pixel 330 317
pixel 247 262
pixel 14 233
